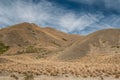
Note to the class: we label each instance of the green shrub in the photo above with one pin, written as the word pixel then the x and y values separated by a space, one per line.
pixel 20 52
pixel 3 48
pixel 32 49
pixel 55 43
pixel 64 39
pixel 116 46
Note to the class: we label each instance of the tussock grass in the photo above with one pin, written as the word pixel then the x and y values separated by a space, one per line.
pixel 89 66
pixel 64 68
pixel 28 76
pixel 13 76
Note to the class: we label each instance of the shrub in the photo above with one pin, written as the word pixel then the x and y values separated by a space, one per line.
pixel 32 49
pixel 3 48
pixel 64 39
pixel 20 52
pixel 55 43
pixel 28 76
pixel 14 76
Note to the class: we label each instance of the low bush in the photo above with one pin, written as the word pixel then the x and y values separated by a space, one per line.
pixel 3 48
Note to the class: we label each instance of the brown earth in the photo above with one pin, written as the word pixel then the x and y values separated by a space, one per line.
pixel 100 42
pixel 21 36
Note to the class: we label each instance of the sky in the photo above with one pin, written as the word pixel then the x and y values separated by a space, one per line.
pixel 70 16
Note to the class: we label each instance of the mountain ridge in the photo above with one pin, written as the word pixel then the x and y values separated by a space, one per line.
pixel 29 34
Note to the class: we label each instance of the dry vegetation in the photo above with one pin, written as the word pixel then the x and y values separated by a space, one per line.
pixel 52 68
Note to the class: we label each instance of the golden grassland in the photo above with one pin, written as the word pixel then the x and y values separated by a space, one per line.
pixel 87 67
pixel 63 68
pixel 56 68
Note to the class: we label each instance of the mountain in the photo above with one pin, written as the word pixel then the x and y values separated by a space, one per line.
pixel 28 37
pixel 105 41
pixel 52 44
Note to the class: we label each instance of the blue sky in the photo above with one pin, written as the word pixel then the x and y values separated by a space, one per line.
pixel 71 16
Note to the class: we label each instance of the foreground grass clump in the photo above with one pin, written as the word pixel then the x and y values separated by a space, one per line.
pixel 28 76
pixel 3 48
pixel 13 76
pixel 63 68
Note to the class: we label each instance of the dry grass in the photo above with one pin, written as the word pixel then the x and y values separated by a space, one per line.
pixel 63 68
pixel 84 68
pixel 28 76
pixel 13 76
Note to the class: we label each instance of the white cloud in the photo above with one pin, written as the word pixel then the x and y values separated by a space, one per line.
pixel 43 13
pixel 71 22
pixel 46 13
pixel 23 11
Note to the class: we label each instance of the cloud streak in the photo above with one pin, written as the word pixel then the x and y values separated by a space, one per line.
pixel 46 13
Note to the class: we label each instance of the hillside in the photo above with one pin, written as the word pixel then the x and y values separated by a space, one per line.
pixel 47 42
pixel 28 37
pixel 100 42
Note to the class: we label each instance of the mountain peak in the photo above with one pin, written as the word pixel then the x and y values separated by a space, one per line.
pixel 23 25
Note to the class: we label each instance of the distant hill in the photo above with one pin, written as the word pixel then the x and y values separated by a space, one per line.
pixel 28 37
pixel 105 41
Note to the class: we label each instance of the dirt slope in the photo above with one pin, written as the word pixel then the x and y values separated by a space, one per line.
pixel 24 35
pixel 100 42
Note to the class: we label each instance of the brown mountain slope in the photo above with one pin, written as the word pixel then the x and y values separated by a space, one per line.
pixel 104 41
pixel 29 36
pixel 66 37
